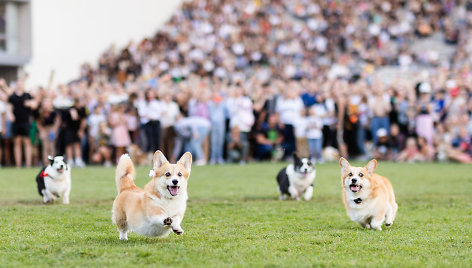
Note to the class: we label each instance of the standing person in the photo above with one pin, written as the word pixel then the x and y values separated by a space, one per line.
pixel 48 123
pixel 241 115
pixel 94 120
pixel 217 109
pixel 132 122
pixel 73 127
pixel 149 110
pixel 289 108
pixel 3 126
pixel 119 136
pixel 170 112
pixel 199 106
pixel 191 131
pixel 7 135
pixel 23 104
pixel 380 107
pixel 424 111
pixel 315 132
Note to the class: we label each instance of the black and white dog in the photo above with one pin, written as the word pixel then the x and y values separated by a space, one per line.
pixel 54 180
pixel 296 180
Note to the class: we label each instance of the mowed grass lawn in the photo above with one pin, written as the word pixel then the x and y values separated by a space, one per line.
pixel 234 218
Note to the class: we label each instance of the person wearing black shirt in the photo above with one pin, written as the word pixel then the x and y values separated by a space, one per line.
pixel 72 130
pixel 23 104
pixel 269 140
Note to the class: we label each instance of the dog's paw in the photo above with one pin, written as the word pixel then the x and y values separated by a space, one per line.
pixel 179 232
pixel 168 221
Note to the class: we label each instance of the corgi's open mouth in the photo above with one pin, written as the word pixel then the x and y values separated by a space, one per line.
pixel 355 188
pixel 60 170
pixel 173 190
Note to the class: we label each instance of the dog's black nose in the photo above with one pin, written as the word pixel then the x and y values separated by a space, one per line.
pixel 353 180
pixel 62 166
pixel 175 182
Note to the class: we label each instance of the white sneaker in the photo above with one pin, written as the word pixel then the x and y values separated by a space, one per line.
pixel 70 162
pixel 200 162
pixel 107 164
pixel 79 163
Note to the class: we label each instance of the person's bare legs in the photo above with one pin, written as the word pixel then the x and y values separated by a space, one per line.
pixel 77 150
pixel 105 152
pixel 28 151
pixel 17 150
pixel 7 154
pixel 44 152
pixel 70 156
pixel 79 162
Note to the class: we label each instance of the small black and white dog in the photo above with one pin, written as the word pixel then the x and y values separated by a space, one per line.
pixel 296 180
pixel 54 180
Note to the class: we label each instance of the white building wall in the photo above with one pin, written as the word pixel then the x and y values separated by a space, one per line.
pixel 67 33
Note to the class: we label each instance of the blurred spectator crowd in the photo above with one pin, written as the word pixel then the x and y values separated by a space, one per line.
pixel 234 81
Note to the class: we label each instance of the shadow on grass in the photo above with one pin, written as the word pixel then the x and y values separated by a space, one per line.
pixel 38 202
pixel 134 240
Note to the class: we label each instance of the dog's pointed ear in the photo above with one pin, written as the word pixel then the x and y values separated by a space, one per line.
pixel 158 160
pixel 186 161
pixel 371 166
pixel 344 164
pixel 296 160
pixel 51 160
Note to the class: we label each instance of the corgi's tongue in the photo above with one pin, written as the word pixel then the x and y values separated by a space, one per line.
pixel 173 190
pixel 355 188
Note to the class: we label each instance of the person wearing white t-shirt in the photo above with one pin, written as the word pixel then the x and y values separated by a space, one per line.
pixel 241 115
pixel 289 108
pixel 149 110
pixel 169 114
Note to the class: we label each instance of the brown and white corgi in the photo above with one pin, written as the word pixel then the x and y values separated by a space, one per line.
pixel 159 208
pixel 368 197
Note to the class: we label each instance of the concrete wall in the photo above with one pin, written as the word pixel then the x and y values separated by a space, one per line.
pixel 67 33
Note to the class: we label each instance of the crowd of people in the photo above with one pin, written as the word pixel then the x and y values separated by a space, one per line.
pixel 234 81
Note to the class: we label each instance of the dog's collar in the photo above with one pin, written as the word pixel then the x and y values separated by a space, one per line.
pixel 357 201
pixel 44 174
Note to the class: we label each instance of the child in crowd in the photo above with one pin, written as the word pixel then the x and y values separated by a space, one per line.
pixel 410 153
pixel 132 123
pixel 236 149
pixel 102 153
pixel 382 149
pixel 315 132
pixel 120 137
pixel 269 140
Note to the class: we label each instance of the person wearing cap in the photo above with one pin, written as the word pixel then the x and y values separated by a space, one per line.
pixel 382 150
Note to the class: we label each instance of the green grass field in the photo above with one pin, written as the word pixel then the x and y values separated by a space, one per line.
pixel 234 218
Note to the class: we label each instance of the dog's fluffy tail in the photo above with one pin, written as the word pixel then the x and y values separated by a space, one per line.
pixel 125 173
